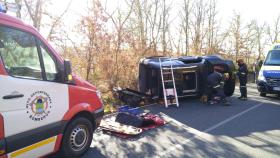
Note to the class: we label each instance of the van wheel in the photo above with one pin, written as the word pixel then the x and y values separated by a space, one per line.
pixel 77 138
pixel 229 87
pixel 263 94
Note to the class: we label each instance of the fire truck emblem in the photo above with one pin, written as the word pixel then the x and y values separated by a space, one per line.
pixel 38 106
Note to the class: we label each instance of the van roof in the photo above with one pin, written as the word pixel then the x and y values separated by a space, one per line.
pixel 276 47
pixel 7 19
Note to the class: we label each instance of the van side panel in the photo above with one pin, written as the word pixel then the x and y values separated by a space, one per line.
pixel 2 134
pixel 58 143
pixel 82 96
pixel 78 95
pixel 38 149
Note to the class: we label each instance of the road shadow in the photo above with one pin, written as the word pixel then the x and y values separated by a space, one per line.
pixel 159 143
pixel 254 134
pixel 94 152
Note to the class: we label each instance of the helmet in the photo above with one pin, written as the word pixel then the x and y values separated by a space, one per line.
pixel 240 61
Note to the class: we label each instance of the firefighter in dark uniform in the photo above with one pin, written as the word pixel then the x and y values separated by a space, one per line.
pixel 215 90
pixel 242 75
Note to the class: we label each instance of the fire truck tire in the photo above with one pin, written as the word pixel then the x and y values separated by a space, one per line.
pixel 77 138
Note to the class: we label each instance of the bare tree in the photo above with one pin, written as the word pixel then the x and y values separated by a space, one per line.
pixel 243 38
pixel 235 30
pixel 212 29
pixel 164 25
pixel 139 10
pixel 35 11
pixel 198 24
pixel 261 38
pixel 274 32
pixel 153 24
pixel 56 21
pixel 18 13
pixel 146 23
pixel 185 20
pixel 248 41
pixel 91 27
pixel 40 15
pixel 119 23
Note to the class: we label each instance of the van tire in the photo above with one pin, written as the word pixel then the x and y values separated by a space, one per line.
pixel 77 138
pixel 229 87
pixel 263 94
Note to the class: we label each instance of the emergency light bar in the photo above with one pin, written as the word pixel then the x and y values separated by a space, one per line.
pixel 11 7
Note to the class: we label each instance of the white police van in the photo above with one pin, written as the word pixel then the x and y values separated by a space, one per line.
pixel 269 76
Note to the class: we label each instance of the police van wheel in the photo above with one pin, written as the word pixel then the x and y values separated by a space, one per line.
pixel 77 138
pixel 263 94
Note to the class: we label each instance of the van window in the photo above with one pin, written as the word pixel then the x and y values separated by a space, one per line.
pixel 273 58
pixel 49 64
pixel 19 53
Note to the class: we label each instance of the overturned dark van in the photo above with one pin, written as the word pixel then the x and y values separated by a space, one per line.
pixel 190 74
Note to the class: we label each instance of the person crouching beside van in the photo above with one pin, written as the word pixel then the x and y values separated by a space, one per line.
pixel 215 90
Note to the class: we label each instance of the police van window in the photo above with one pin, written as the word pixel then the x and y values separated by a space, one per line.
pixel 50 65
pixel 273 58
pixel 19 53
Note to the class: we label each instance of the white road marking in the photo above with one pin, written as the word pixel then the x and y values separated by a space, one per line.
pixel 231 118
pixel 205 132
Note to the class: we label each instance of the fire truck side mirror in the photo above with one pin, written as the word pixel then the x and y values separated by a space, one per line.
pixel 68 71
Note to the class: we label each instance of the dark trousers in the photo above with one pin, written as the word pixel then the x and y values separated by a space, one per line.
pixel 243 87
pixel 215 91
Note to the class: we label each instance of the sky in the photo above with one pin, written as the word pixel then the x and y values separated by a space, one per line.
pixel 260 10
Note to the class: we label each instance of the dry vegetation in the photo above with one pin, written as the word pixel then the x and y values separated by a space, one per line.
pixel 105 45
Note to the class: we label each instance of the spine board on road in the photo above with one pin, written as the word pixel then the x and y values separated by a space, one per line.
pixel 109 124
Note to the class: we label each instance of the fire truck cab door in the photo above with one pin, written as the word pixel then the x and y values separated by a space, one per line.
pixel 31 95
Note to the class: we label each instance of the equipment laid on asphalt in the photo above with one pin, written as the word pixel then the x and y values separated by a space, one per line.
pixel 190 75
pixel 127 109
pixel 109 124
pixel 128 125
pixel 168 84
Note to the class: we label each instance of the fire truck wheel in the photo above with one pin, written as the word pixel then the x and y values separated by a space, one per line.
pixel 77 138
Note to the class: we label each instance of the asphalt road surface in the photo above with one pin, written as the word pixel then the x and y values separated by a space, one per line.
pixel 243 129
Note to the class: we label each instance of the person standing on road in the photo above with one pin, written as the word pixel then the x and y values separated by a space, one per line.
pixel 242 75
